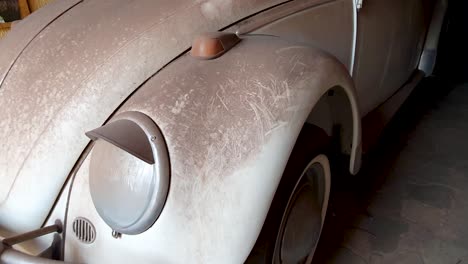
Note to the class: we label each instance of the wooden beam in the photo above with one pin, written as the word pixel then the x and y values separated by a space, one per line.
pixel 24 8
pixel 4 28
pixel 36 4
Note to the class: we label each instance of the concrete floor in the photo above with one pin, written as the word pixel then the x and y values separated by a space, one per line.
pixel 409 204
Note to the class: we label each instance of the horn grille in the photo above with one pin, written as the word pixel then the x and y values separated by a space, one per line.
pixel 84 230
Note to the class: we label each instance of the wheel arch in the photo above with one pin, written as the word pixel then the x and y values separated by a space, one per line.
pixel 336 112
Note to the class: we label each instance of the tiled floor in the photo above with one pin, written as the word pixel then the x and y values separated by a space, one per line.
pixel 409 204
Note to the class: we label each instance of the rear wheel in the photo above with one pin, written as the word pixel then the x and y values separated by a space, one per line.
pixel 295 220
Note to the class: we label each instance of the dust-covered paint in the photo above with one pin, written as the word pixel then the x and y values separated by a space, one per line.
pixel 26 31
pixel 73 75
pixel 236 122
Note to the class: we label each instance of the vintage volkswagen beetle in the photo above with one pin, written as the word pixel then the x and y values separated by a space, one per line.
pixel 122 143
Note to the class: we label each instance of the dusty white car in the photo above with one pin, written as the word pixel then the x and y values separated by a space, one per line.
pixel 130 135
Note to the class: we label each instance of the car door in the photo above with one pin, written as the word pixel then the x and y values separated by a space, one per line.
pixel 389 43
pixel 327 25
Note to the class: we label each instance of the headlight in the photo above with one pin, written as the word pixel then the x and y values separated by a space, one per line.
pixel 129 172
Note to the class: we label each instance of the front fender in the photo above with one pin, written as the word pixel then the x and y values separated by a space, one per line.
pixel 230 125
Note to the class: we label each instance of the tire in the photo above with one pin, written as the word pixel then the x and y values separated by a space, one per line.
pixel 293 225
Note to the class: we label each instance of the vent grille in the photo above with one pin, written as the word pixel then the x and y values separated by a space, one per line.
pixel 84 230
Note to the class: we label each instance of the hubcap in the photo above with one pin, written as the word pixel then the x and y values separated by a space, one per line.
pixel 303 218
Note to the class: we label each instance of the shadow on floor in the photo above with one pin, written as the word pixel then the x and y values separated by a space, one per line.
pixel 408 203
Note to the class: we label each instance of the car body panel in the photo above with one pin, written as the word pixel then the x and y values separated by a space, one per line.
pixel 396 27
pixel 26 31
pixel 390 39
pixel 94 62
pixel 305 26
pixel 230 125
pixel 429 55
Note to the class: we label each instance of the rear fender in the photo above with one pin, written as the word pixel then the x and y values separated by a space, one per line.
pixel 230 125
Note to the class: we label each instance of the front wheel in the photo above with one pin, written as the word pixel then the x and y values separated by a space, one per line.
pixel 295 220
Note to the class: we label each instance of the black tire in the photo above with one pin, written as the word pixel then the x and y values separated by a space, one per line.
pixel 311 142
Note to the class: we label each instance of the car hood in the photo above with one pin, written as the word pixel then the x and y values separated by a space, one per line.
pixel 74 74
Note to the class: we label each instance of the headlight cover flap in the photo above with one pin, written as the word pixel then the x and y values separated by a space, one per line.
pixel 129 172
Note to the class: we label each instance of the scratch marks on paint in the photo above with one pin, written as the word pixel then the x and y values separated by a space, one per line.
pixel 180 104
pixel 218 117
pixel 221 88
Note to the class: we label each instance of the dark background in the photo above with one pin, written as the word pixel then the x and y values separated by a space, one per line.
pixel 9 10
pixel 452 62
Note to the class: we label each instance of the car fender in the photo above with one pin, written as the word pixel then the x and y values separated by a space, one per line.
pixel 230 125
